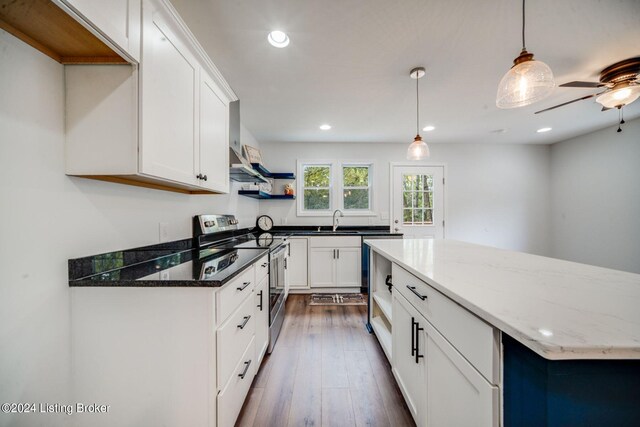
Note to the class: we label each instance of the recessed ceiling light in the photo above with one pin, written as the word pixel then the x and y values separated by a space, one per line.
pixel 545 332
pixel 278 39
pixel 543 130
pixel 428 128
pixel 325 127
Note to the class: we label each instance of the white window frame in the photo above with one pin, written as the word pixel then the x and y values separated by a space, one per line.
pixel 336 186
pixel 315 212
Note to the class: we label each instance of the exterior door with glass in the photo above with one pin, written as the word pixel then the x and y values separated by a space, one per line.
pixel 417 194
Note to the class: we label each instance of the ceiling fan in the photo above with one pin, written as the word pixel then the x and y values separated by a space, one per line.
pixel 622 82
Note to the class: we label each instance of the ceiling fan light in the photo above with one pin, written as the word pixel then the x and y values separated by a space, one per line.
pixel 418 149
pixel 625 94
pixel 528 81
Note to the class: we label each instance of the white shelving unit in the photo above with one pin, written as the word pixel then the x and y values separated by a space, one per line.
pixel 380 302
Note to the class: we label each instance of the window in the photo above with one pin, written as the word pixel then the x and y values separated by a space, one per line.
pixel 317 187
pixel 356 187
pixel 417 199
pixel 320 190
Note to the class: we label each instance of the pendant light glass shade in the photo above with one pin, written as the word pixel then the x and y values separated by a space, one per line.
pixel 528 81
pixel 418 149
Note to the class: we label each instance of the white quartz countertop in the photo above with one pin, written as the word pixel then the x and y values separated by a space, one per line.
pixel 559 309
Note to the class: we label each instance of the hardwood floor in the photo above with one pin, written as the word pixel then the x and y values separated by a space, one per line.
pixel 325 370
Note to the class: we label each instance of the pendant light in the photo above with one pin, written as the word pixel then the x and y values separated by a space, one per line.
pixel 527 81
pixel 418 149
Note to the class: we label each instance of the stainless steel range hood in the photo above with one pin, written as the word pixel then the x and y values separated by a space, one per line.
pixel 239 170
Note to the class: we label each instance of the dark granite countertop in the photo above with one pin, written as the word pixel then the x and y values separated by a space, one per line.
pixel 174 264
pixel 310 230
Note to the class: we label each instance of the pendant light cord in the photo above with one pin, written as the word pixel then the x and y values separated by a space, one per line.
pixel 523 23
pixel 417 105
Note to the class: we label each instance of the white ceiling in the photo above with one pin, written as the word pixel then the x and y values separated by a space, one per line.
pixel 349 60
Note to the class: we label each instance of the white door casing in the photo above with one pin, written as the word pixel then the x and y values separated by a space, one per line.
pixel 417 200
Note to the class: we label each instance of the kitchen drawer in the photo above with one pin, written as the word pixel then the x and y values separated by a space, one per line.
pixel 233 293
pixel 233 337
pixel 476 340
pixel 335 242
pixel 231 398
pixel 262 268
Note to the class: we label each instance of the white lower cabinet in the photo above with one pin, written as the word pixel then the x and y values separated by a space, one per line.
pixel 262 319
pixel 231 398
pixel 334 262
pixel 444 358
pixel 409 364
pixel 297 269
pixel 322 267
pixel 348 267
pixel 457 394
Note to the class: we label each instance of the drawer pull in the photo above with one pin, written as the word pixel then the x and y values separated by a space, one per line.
pixel 418 329
pixel 413 289
pixel 243 324
pixel 260 305
pixel 413 336
pixel 246 369
pixel 244 286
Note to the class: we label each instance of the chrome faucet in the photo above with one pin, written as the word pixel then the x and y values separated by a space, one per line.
pixel 335 220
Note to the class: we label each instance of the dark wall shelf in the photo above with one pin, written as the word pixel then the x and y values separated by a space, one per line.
pixel 255 194
pixel 275 175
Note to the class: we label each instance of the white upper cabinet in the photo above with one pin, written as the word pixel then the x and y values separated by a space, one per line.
pixel 169 89
pixel 163 124
pixel 118 21
pixel 213 136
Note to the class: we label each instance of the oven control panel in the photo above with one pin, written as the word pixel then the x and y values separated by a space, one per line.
pixel 215 223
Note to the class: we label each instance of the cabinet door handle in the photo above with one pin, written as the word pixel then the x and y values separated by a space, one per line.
pixel 246 369
pixel 413 336
pixel 264 264
pixel 413 289
pixel 260 305
pixel 338 253
pixel 199 176
pixel 244 286
pixel 334 254
pixel 418 355
pixel 243 324
pixel 204 177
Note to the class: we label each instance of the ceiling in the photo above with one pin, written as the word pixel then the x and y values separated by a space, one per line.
pixel 349 60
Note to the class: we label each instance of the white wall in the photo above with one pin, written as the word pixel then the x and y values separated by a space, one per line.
pixel 47 218
pixel 595 216
pixel 496 194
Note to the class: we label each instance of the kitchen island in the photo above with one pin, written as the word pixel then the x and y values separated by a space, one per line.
pixel 550 342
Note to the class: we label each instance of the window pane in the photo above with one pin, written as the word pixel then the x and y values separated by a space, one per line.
pixel 316 176
pixel 428 216
pixel 406 216
pixel 356 176
pixel 408 182
pixel 429 182
pixel 356 199
pixel 406 199
pixel 316 199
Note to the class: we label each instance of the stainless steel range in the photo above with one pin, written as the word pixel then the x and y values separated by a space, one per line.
pixel 221 232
